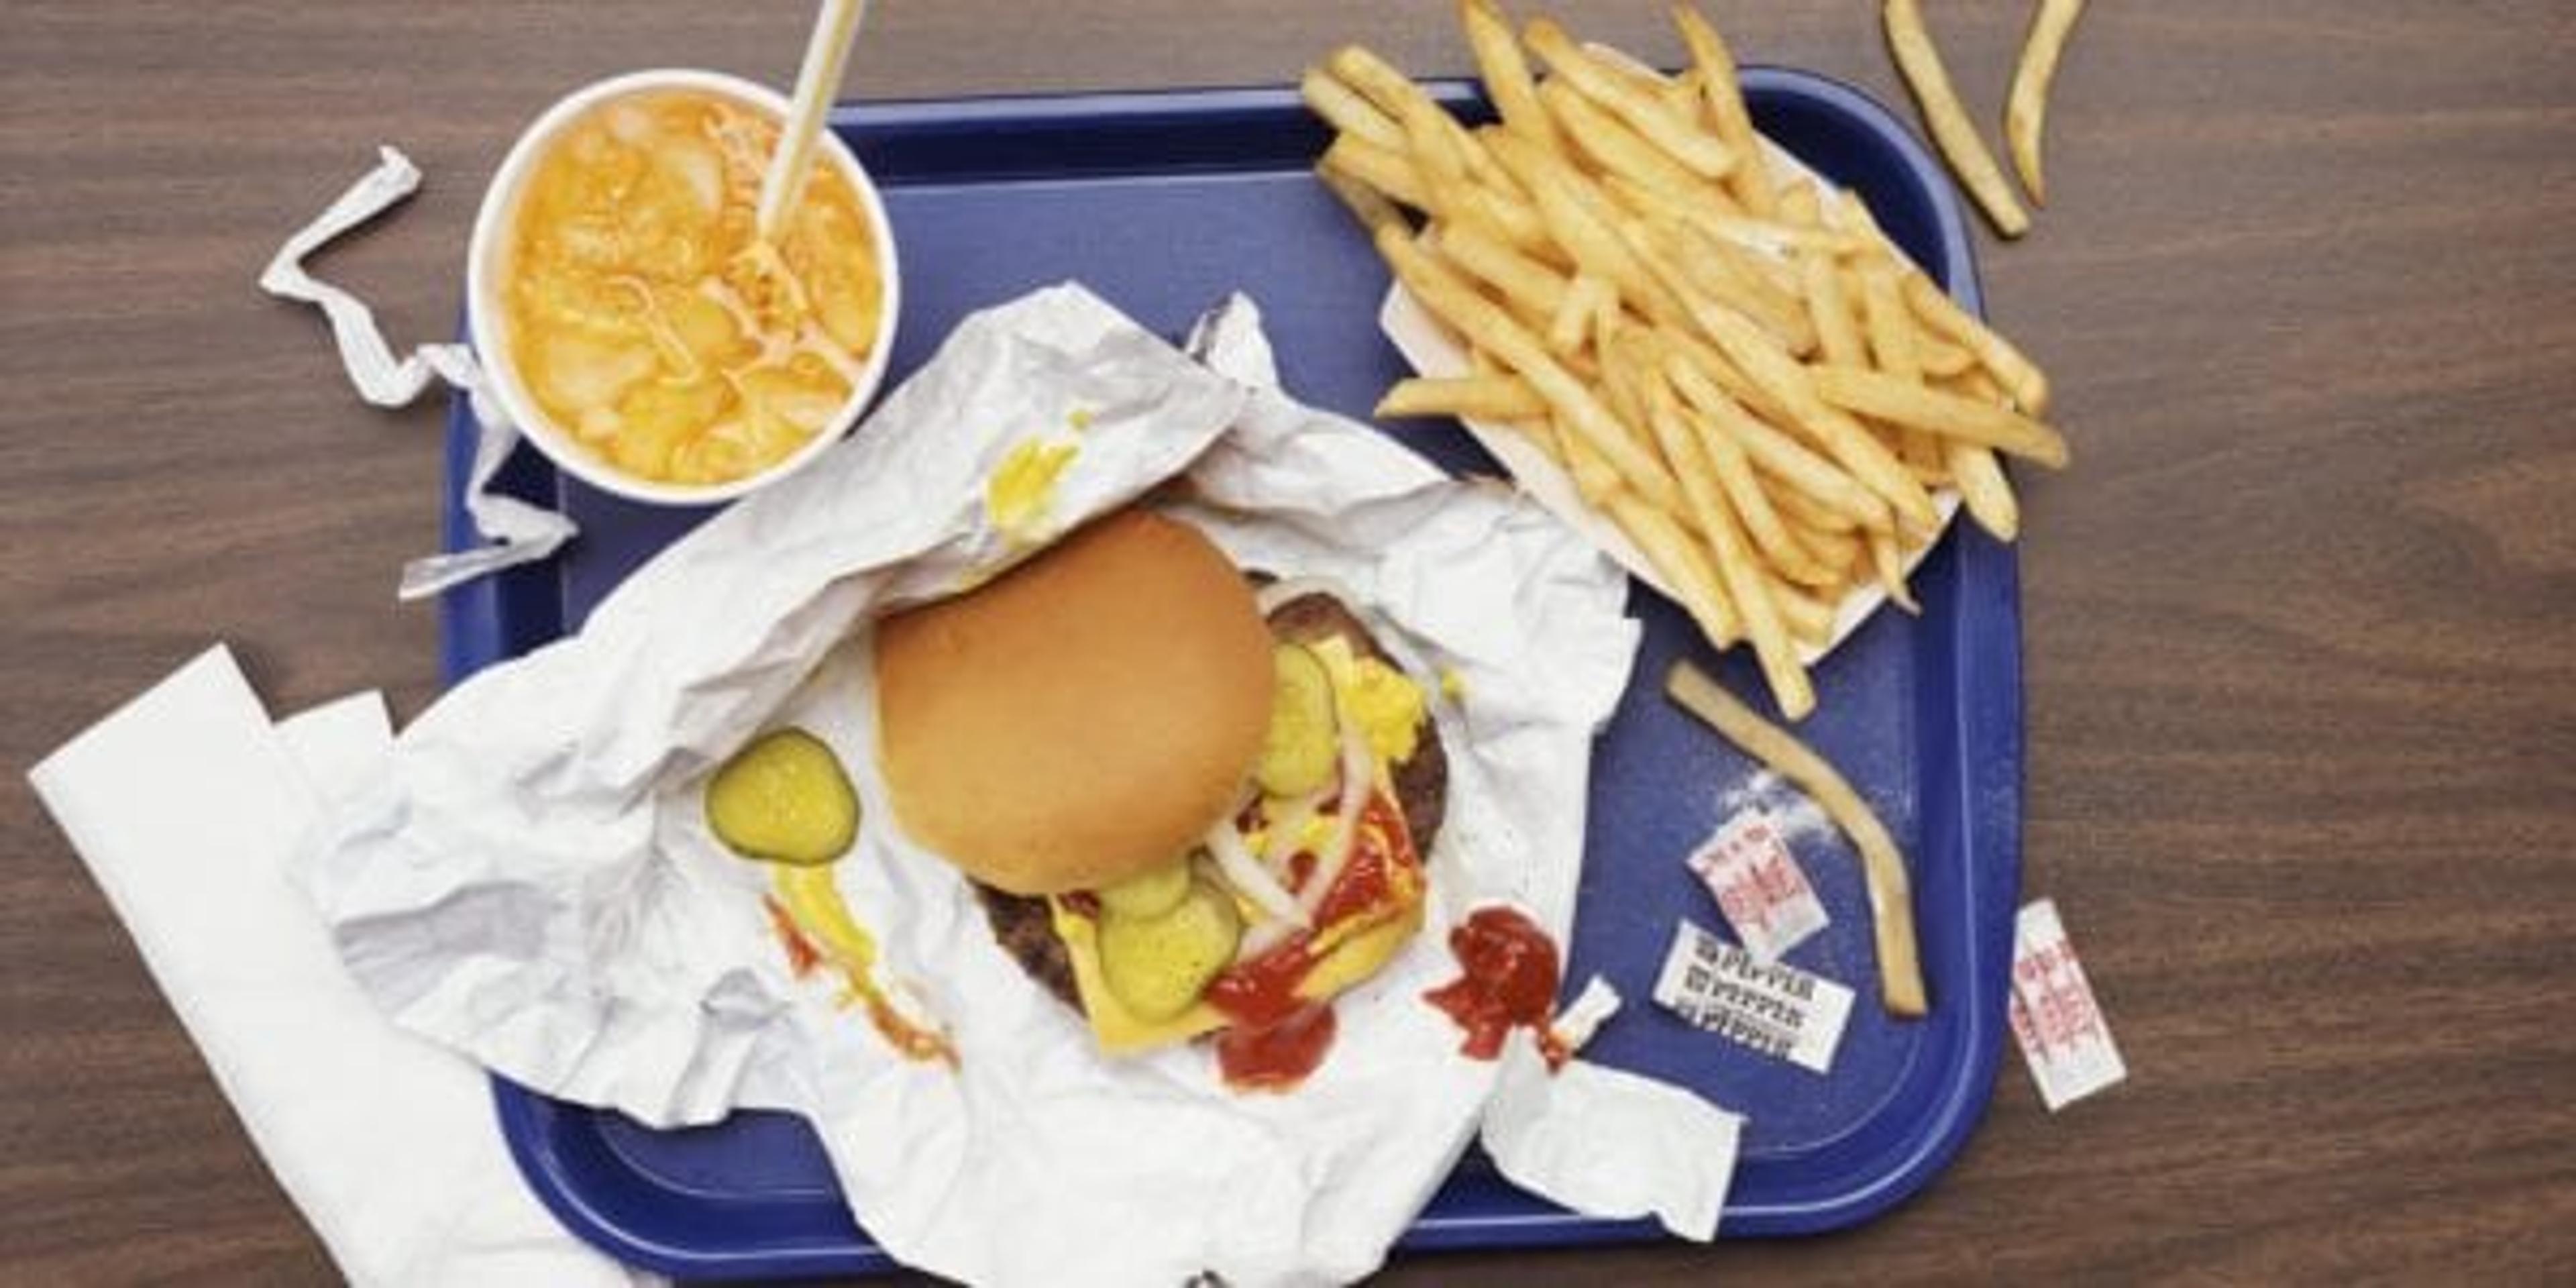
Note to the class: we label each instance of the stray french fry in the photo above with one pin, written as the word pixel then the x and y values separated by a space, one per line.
pixel 1640 108
pixel 1884 397
pixel 1920 60
pixel 1506 73
pixel 2026 111
pixel 1488 326
pixel 1750 180
pixel 1481 397
pixel 1891 895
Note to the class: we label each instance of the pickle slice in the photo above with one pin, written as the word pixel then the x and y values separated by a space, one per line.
pixel 784 799
pixel 1300 750
pixel 1149 894
pixel 1158 966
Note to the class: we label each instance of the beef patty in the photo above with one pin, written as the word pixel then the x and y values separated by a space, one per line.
pixel 1027 930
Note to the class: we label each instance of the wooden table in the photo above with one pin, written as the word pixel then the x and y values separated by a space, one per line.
pixel 2301 622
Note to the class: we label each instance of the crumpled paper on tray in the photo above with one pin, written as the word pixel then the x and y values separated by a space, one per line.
pixel 530 879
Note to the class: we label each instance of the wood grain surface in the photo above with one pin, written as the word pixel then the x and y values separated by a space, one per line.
pixel 2300 624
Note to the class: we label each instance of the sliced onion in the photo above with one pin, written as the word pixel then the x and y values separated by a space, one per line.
pixel 1263 936
pixel 1246 874
pixel 1357 782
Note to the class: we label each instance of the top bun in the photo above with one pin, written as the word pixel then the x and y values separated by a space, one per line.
pixel 1081 719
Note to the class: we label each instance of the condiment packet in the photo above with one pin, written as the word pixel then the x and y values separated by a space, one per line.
pixel 1748 868
pixel 1772 1007
pixel 519 532
pixel 2063 1036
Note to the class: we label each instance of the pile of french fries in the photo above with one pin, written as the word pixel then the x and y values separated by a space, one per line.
pixel 1730 360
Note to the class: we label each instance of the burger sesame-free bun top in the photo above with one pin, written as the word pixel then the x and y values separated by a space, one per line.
pixel 1081 719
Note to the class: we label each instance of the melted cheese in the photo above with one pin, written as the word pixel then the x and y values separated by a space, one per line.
pixel 1119 1030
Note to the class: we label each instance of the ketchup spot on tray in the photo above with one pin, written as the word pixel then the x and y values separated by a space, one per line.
pixel 1507 977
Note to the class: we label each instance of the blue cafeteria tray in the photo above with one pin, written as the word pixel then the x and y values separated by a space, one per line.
pixel 1163 202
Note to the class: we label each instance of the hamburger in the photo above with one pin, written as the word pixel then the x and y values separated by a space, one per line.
pixel 1193 802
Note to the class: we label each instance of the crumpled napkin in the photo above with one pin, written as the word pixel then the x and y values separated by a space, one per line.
pixel 185 805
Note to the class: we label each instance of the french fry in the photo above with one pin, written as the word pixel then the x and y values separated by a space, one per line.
pixel 1577 316
pixel 1491 398
pixel 1891 894
pixel 1576 217
pixel 1506 73
pixel 1786 382
pixel 1750 180
pixel 1983 489
pixel 1534 289
pixel 1344 109
pixel 1406 102
pixel 1808 618
pixel 1776 452
pixel 1837 338
pixel 1683 563
pixel 1487 325
pixel 1732 470
pixel 1894 349
pixel 1889 564
pixel 1613 147
pixel 1641 109
pixel 1383 168
pixel 1366 204
pixel 1594 478
pixel 1759 235
pixel 1939 359
pixel 1744 582
pixel 1884 397
pixel 1729 272
pixel 1920 60
pixel 2021 378
pixel 2026 110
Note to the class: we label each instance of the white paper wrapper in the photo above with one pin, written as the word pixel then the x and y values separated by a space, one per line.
pixel 516 531
pixel 530 879
pixel 1432 350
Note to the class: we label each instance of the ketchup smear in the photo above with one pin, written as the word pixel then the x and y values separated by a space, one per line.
pixel 1278 1038
pixel 1507 977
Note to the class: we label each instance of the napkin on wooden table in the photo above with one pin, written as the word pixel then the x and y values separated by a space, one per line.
pixel 186 804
